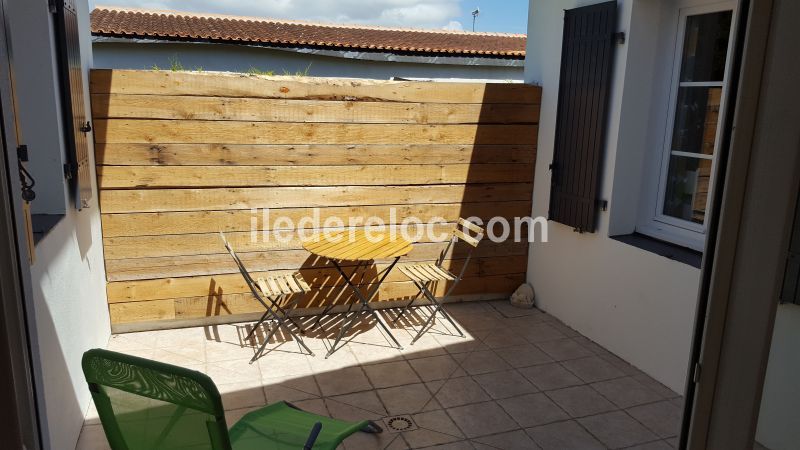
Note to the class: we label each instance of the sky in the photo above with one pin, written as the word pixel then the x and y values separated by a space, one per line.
pixel 507 16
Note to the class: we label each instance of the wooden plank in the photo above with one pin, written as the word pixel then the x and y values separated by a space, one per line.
pixel 205 132
pixel 107 106
pixel 142 311
pixel 210 243
pixel 154 200
pixel 193 265
pixel 162 223
pixel 127 154
pixel 205 306
pixel 196 286
pixel 105 81
pixel 116 177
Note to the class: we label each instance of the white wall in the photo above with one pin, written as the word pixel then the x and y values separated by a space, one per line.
pixel 68 276
pixel 637 304
pixel 238 58
pixel 779 419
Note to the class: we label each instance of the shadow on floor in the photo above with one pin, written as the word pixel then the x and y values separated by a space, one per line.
pixel 518 379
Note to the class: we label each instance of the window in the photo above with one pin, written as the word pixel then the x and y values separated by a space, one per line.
pixel 692 132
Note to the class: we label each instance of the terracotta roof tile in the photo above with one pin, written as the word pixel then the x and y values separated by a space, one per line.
pixel 119 22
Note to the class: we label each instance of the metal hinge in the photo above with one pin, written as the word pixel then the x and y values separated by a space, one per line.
pixel 603 205
pixel 87 127
pixel 619 37
pixel 53 6
pixel 22 153
pixel 696 373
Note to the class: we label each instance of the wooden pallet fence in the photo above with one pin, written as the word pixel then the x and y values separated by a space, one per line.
pixel 181 156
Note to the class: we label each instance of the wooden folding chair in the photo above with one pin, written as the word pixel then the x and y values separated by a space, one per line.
pixel 271 292
pixel 426 275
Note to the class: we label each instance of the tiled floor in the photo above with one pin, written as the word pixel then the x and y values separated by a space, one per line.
pixel 519 380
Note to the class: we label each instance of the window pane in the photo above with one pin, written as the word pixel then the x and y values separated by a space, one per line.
pixel 696 116
pixel 705 46
pixel 687 188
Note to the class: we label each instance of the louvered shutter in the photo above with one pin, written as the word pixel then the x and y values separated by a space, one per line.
pixel 76 125
pixel 790 291
pixel 583 95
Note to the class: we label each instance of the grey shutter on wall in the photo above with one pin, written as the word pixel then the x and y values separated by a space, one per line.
pixel 76 125
pixel 583 95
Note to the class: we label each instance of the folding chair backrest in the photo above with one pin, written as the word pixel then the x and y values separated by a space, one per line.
pixel 146 404
pixel 463 232
pixel 251 283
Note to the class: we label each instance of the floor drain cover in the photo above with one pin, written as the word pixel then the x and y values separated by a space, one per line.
pixel 398 424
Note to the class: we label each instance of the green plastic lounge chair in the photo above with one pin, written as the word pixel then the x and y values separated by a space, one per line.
pixel 148 405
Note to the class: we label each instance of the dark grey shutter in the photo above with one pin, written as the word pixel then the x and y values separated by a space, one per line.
pixel 790 292
pixel 72 100
pixel 583 94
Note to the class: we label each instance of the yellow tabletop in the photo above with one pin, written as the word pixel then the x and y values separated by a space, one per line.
pixel 356 245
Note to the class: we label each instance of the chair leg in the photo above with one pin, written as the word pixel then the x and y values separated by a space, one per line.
pixel 437 308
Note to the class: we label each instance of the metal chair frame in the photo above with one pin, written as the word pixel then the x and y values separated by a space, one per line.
pixel 272 305
pixel 460 233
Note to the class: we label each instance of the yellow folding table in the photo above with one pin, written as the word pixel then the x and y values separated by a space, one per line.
pixel 362 247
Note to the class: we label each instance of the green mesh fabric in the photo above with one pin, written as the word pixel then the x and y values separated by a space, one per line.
pixel 281 427
pixel 145 423
pixel 145 405
pixel 153 380
pixel 148 405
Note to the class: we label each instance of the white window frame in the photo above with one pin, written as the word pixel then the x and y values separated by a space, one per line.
pixel 654 222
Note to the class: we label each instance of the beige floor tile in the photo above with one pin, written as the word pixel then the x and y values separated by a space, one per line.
pixel 626 392
pixel 376 441
pixel 485 361
pixel 564 349
pixel 290 390
pixel 657 445
pixel 227 351
pixel 424 438
pixel 505 384
pixel 502 337
pixel 284 365
pixel 567 435
pixel 580 401
pixel 592 369
pixel 343 381
pixel 92 437
pixel 391 374
pixel 229 372
pixel 374 353
pixel 540 332
pixel 663 418
pixel 408 399
pixel 617 429
pixel 523 355
pixel 512 440
pixel 367 401
pixel 482 419
pixel 532 409
pixel 456 344
pixel 427 345
pixel 550 376
pixel 437 367
pixel 180 356
pixel 457 392
pixel 242 395
pixel 182 337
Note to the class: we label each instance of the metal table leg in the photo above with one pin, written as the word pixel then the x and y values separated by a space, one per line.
pixel 364 306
